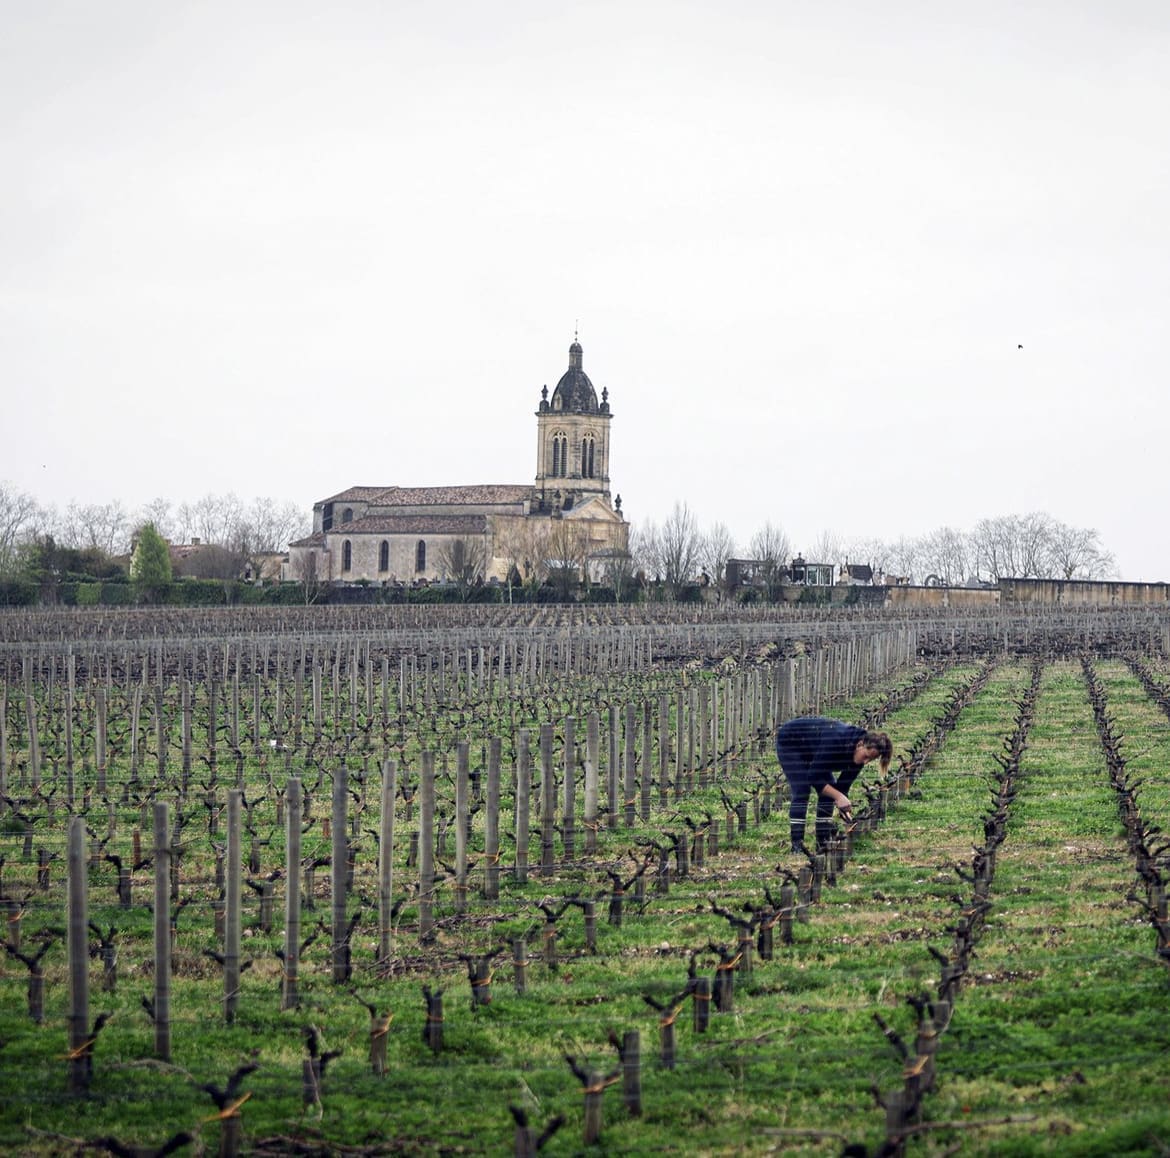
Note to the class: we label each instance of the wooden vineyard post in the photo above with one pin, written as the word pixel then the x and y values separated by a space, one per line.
pixel 426 848
pixel 386 861
pixel 338 871
pixel 231 933
pixel 80 1047
pixel 630 798
pixel 591 818
pixel 3 746
pixel 462 818
pixel 613 766
pixel 491 824
pixel 99 738
pixel 594 1085
pixel 162 933
pixel 701 1004
pixel 568 813
pixel 647 761
pixel 664 750
pixel 631 1057
pixel 804 892
pixel 433 1026
pixel 548 800
pixel 520 964
pixel 523 790
pixel 787 905
pixel 289 993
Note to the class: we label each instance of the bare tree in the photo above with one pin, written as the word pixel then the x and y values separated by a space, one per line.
pixel 827 548
pixel 679 546
pixel 1077 553
pixel 1035 536
pixel 946 554
pixel 646 549
pixel 771 548
pixel 565 555
pixel 311 581
pixel 102 526
pixel 216 519
pixel 905 558
pixel 715 548
pixel 462 561
pixel 517 542
pixel 1012 546
pixel 19 514
pixel 618 573
pixel 157 513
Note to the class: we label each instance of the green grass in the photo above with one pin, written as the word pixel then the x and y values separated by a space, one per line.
pixel 1061 1025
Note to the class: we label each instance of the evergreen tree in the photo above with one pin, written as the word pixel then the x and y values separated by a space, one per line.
pixel 150 565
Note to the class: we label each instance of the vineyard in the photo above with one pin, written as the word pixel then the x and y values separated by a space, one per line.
pixel 417 880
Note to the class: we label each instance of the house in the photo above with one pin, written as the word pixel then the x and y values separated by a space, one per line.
pixel 811 574
pixel 414 535
pixel 855 575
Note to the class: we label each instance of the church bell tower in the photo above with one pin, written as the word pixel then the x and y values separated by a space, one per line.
pixel 572 441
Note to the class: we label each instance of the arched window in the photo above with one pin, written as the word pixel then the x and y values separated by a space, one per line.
pixel 347 515
pixel 420 555
pixel 587 456
pixel 560 462
pixel 384 556
pixel 346 555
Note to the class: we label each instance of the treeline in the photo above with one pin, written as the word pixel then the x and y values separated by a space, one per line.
pixel 1031 546
pixel 90 535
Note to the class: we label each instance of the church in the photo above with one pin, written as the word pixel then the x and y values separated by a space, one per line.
pixel 565 519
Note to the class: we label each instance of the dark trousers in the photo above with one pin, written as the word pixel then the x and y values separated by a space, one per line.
pixel 794 765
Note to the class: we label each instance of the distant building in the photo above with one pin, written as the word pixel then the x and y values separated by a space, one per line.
pixel 408 535
pixel 856 575
pixel 811 574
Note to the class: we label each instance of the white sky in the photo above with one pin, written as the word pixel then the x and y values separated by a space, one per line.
pixel 278 249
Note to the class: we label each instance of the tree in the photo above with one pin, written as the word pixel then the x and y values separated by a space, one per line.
pixel 565 555
pixel 905 558
pixel 618 573
pixel 1013 546
pixel 158 512
pixel 646 550
pixel 826 548
pixel 19 514
pixel 150 563
pixel 104 526
pixel 771 550
pixel 946 554
pixel 461 560
pixel 1077 553
pixel 679 548
pixel 517 543
pixel 715 548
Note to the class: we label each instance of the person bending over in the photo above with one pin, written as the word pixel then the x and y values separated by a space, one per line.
pixel 825 756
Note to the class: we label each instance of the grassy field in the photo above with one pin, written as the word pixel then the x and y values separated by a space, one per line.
pixel 1057 1043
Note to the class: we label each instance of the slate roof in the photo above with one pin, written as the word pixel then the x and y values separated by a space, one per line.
pixel 481 494
pixel 357 495
pixel 412 525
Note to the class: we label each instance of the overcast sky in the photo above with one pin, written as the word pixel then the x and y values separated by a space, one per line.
pixel 278 249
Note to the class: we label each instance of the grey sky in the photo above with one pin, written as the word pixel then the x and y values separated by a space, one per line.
pixel 282 248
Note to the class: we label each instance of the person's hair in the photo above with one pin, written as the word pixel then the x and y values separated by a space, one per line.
pixel 882 745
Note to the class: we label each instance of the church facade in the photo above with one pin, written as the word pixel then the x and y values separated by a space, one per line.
pixel 565 519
